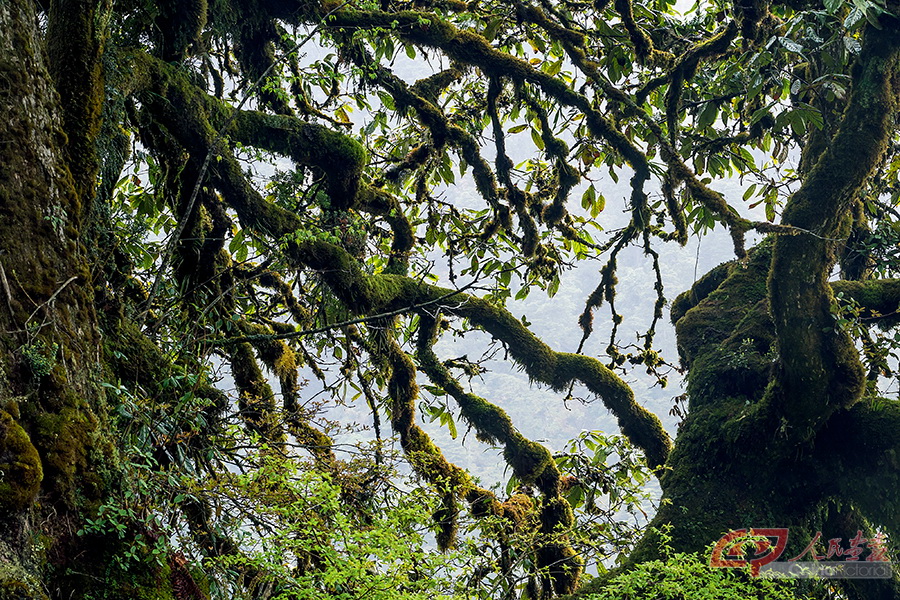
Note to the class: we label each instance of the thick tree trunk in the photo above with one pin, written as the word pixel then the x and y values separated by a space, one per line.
pixel 52 451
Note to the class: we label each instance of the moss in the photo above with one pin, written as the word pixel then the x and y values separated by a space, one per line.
pixel 275 354
pixel 699 291
pixel 21 471
pixel 18 584
pixel 724 299
pixel 562 565
pixel 66 440
pixel 820 367
pixel 75 46
pixel 518 508
pixel 179 23
pixel 528 459
pixel 256 400
pixel 341 157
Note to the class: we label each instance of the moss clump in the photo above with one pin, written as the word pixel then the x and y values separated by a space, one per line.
pixel 18 584
pixel 20 466
pixel 699 291
pixel 67 439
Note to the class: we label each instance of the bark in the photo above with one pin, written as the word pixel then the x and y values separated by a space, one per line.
pixel 49 333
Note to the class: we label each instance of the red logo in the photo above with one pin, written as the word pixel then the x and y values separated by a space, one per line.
pixel 768 544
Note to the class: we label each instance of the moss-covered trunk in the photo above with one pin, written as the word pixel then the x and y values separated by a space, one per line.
pixel 56 461
pixel 778 403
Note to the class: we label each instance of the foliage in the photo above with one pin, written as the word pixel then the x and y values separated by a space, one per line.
pixel 688 576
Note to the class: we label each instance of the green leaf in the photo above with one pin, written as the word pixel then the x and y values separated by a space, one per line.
pixel 553 286
pixel 386 99
pixel 707 116
pixel 748 193
pixel 791 46
pixel 588 197
pixel 536 138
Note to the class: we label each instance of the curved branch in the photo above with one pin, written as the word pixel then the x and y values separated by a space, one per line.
pixel 466 47
pixel 529 460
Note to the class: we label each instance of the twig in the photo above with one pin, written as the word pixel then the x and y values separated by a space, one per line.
pixel 51 298
pixel 295 334
pixel 5 285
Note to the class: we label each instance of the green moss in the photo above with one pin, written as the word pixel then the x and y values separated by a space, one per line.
pixel 517 509
pixel 699 291
pixel 528 459
pixel 562 565
pixel 17 584
pixel 725 309
pixel 66 440
pixel 21 471
pixel 256 400
pixel 179 23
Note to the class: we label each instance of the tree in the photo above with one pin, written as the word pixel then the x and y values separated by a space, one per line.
pixel 124 286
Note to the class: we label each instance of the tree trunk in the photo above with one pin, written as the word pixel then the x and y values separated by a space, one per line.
pixel 56 463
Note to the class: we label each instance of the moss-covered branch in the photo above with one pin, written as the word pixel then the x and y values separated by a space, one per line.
pixel 643 45
pixel 363 293
pixel 76 36
pixel 879 299
pixel 530 461
pixel 469 48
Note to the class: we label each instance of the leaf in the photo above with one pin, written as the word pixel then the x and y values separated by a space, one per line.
pixel 536 138
pixel 791 46
pixel 241 254
pixel 553 286
pixel 749 191
pixel 854 19
pixel 598 205
pixel 873 13
pixel 492 28
pixel 832 6
pixel 450 424
pixel 759 115
pixel 437 391
pixel 588 197
pixel 386 99
pixel 707 116
pixel 518 128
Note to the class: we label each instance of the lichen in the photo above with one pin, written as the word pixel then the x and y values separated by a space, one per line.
pixel 18 584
